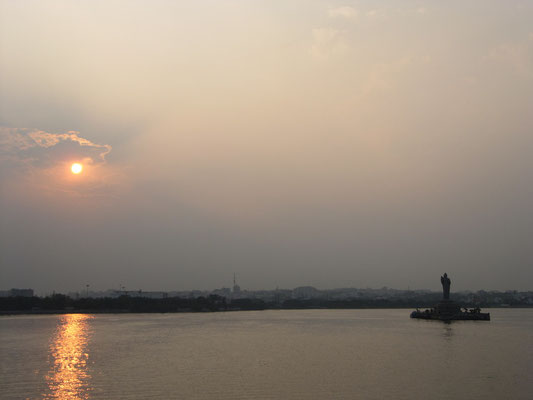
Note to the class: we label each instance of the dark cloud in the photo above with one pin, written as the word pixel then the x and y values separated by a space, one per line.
pixel 42 149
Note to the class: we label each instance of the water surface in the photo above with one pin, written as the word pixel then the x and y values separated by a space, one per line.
pixel 314 354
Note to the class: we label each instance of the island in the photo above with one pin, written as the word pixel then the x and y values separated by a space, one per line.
pixel 448 310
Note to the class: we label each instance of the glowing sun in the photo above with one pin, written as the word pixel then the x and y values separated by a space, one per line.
pixel 76 168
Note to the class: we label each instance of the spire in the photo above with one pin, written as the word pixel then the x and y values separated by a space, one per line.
pixel 236 288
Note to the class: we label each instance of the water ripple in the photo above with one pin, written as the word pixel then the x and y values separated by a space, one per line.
pixel 68 376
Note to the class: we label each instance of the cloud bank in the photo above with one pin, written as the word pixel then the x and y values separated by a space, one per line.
pixel 34 158
pixel 343 12
pixel 44 149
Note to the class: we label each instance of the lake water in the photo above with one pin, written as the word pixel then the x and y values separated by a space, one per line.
pixel 311 354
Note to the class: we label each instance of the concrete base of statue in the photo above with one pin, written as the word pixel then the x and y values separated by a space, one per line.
pixel 447 307
pixel 448 310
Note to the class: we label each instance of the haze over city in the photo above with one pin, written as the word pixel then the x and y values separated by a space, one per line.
pixel 322 143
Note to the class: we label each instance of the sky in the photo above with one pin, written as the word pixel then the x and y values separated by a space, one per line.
pixel 323 143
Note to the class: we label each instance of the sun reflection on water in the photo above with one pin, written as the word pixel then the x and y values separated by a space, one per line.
pixel 68 376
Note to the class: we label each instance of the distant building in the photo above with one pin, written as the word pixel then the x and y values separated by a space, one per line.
pixel 153 295
pixel 20 293
pixel 223 292
pixel 305 292
pixel 139 293
pixel 236 288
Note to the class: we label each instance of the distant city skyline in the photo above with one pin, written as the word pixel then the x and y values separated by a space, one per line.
pixel 234 289
pixel 231 299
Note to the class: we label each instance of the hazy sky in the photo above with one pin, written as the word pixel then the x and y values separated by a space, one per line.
pixel 324 143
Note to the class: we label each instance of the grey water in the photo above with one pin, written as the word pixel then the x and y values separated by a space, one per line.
pixel 311 354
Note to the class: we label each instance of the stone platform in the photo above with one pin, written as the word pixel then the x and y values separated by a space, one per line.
pixel 447 307
pixel 448 310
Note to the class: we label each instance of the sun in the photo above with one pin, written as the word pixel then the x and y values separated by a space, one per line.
pixel 76 168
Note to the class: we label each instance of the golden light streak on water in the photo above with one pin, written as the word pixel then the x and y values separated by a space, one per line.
pixel 68 376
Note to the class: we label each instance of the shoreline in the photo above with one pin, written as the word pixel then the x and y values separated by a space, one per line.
pixel 184 311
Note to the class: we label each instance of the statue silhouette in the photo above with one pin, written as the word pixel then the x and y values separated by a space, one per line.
pixel 446 282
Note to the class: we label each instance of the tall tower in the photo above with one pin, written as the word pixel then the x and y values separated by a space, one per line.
pixel 236 288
